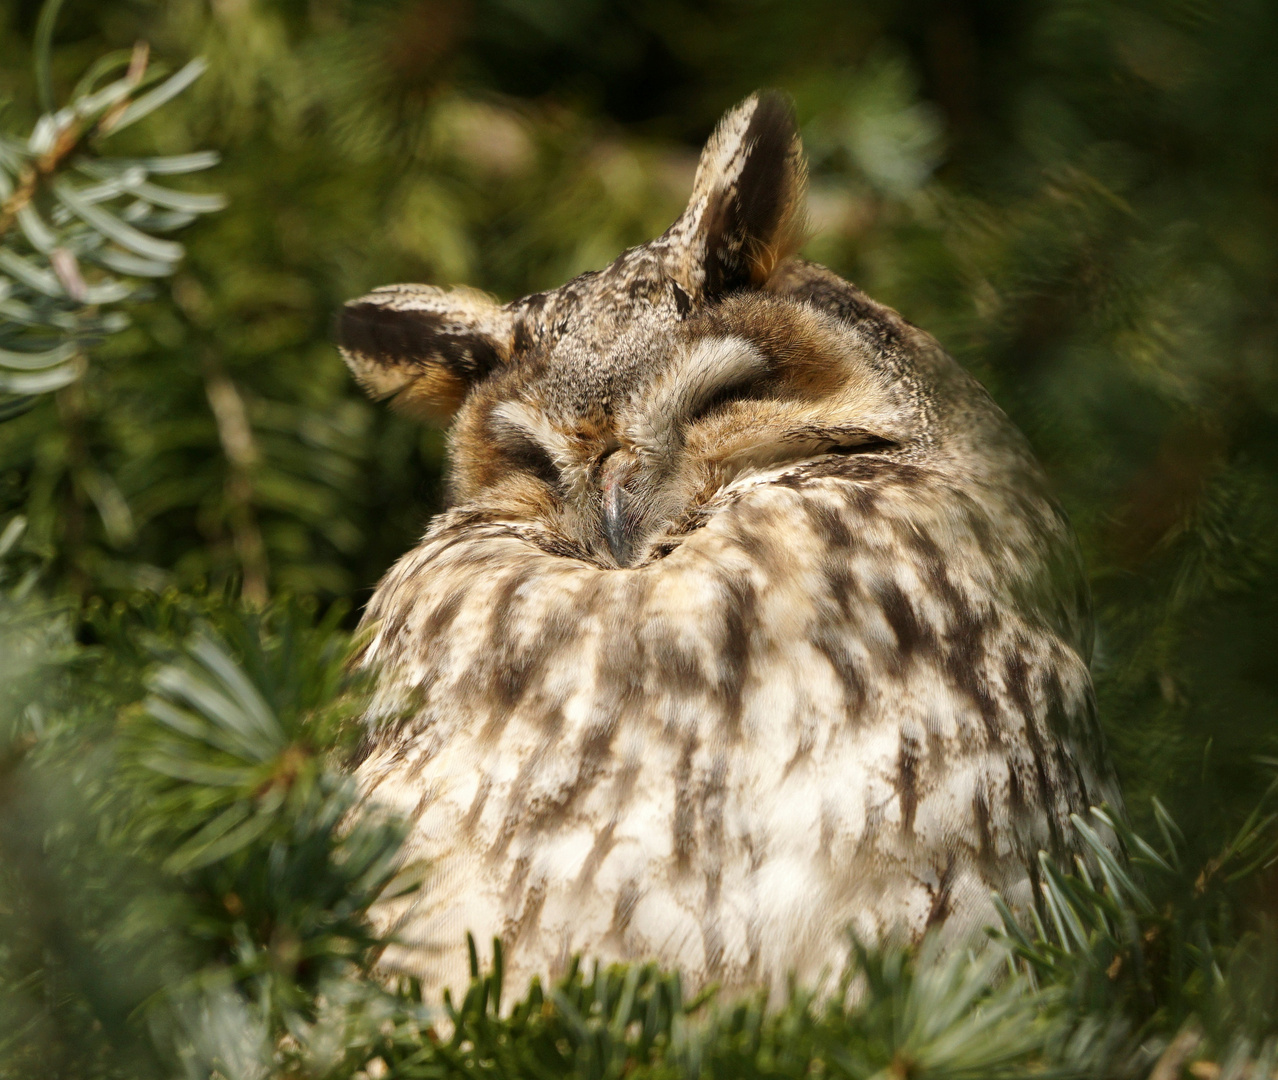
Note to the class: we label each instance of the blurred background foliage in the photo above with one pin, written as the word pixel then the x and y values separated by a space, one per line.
pixel 1079 198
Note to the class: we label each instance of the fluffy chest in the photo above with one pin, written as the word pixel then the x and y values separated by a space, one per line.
pixel 816 710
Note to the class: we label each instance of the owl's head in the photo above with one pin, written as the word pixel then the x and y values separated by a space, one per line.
pixel 609 417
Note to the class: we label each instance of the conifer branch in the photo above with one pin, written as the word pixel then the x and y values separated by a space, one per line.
pixel 71 253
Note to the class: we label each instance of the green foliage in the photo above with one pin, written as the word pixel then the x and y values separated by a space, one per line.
pixel 1076 196
pixel 63 278
pixel 947 1018
pixel 1158 940
pixel 196 847
pixel 234 758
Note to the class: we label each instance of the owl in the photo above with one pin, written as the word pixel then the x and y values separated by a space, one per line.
pixel 751 621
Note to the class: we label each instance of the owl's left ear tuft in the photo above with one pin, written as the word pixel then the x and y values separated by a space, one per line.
pixel 424 347
pixel 747 211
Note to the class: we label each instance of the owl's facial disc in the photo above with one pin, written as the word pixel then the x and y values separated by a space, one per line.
pixel 755 386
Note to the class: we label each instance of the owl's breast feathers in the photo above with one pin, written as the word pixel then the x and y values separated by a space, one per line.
pixel 856 695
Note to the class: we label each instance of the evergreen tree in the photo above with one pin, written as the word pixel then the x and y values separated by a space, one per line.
pixel 1077 196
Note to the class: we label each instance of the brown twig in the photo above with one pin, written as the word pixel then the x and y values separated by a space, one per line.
pixel 137 68
pixel 29 179
pixel 1179 1051
pixel 236 436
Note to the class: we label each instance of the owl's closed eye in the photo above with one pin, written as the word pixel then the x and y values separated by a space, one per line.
pixel 751 618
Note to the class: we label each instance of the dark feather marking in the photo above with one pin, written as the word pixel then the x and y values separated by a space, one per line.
pixel 517 881
pixel 739 622
pixel 827 524
pixel 1054 695
pixel 623 785
pixel 387 336
pixel 1016 803
pixel 437 623
pixel 713 799
pixel 758 545
pixel 871 471
pixel 605 841
pixel 940 908
pixel 934 565
pixel 803 748
pixel 477 805
pixel 937 747
pixel 508 677
pixel 861 500
pixel 523 340
pixel 713 947
pixel 429 793
pixel 754 946
pixel 534 901
pixel 513 665
pixel 434 626
pixel 1082 792
pixel 1016 679
pixel 516 808
pixel 912 635
pixel 368 742
pixel 622 659
pixel 624 909
pixel 1046 791
pixel 984 838
pixel 964 660
pixel 825 843
pixel 680 668
pixel 644 291
pixel 982 530
pixel 682 303
pixel 841 583
pixel 920 541
pixel 566 548
pixel 534 303
pixel 1060 726
pixel 832 644
pixel 1065 770
pixel 592 757
pixel 907 775
pixel 754 851
pixel 684 821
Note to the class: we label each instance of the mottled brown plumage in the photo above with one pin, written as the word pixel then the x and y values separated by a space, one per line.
pixel 752 618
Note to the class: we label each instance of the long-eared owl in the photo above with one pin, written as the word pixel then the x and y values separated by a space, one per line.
pixel 751 618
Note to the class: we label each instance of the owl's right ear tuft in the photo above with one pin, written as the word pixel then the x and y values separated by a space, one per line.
pixel 747 211
pixel 424 347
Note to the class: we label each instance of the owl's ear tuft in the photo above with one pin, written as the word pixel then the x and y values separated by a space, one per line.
pixel 747 211
pixel 424 347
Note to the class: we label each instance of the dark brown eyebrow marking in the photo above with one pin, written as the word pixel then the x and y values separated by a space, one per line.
pixel 738 388
pixel 523 452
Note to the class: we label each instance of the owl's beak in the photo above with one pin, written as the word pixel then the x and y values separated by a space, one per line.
pixel 618 506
